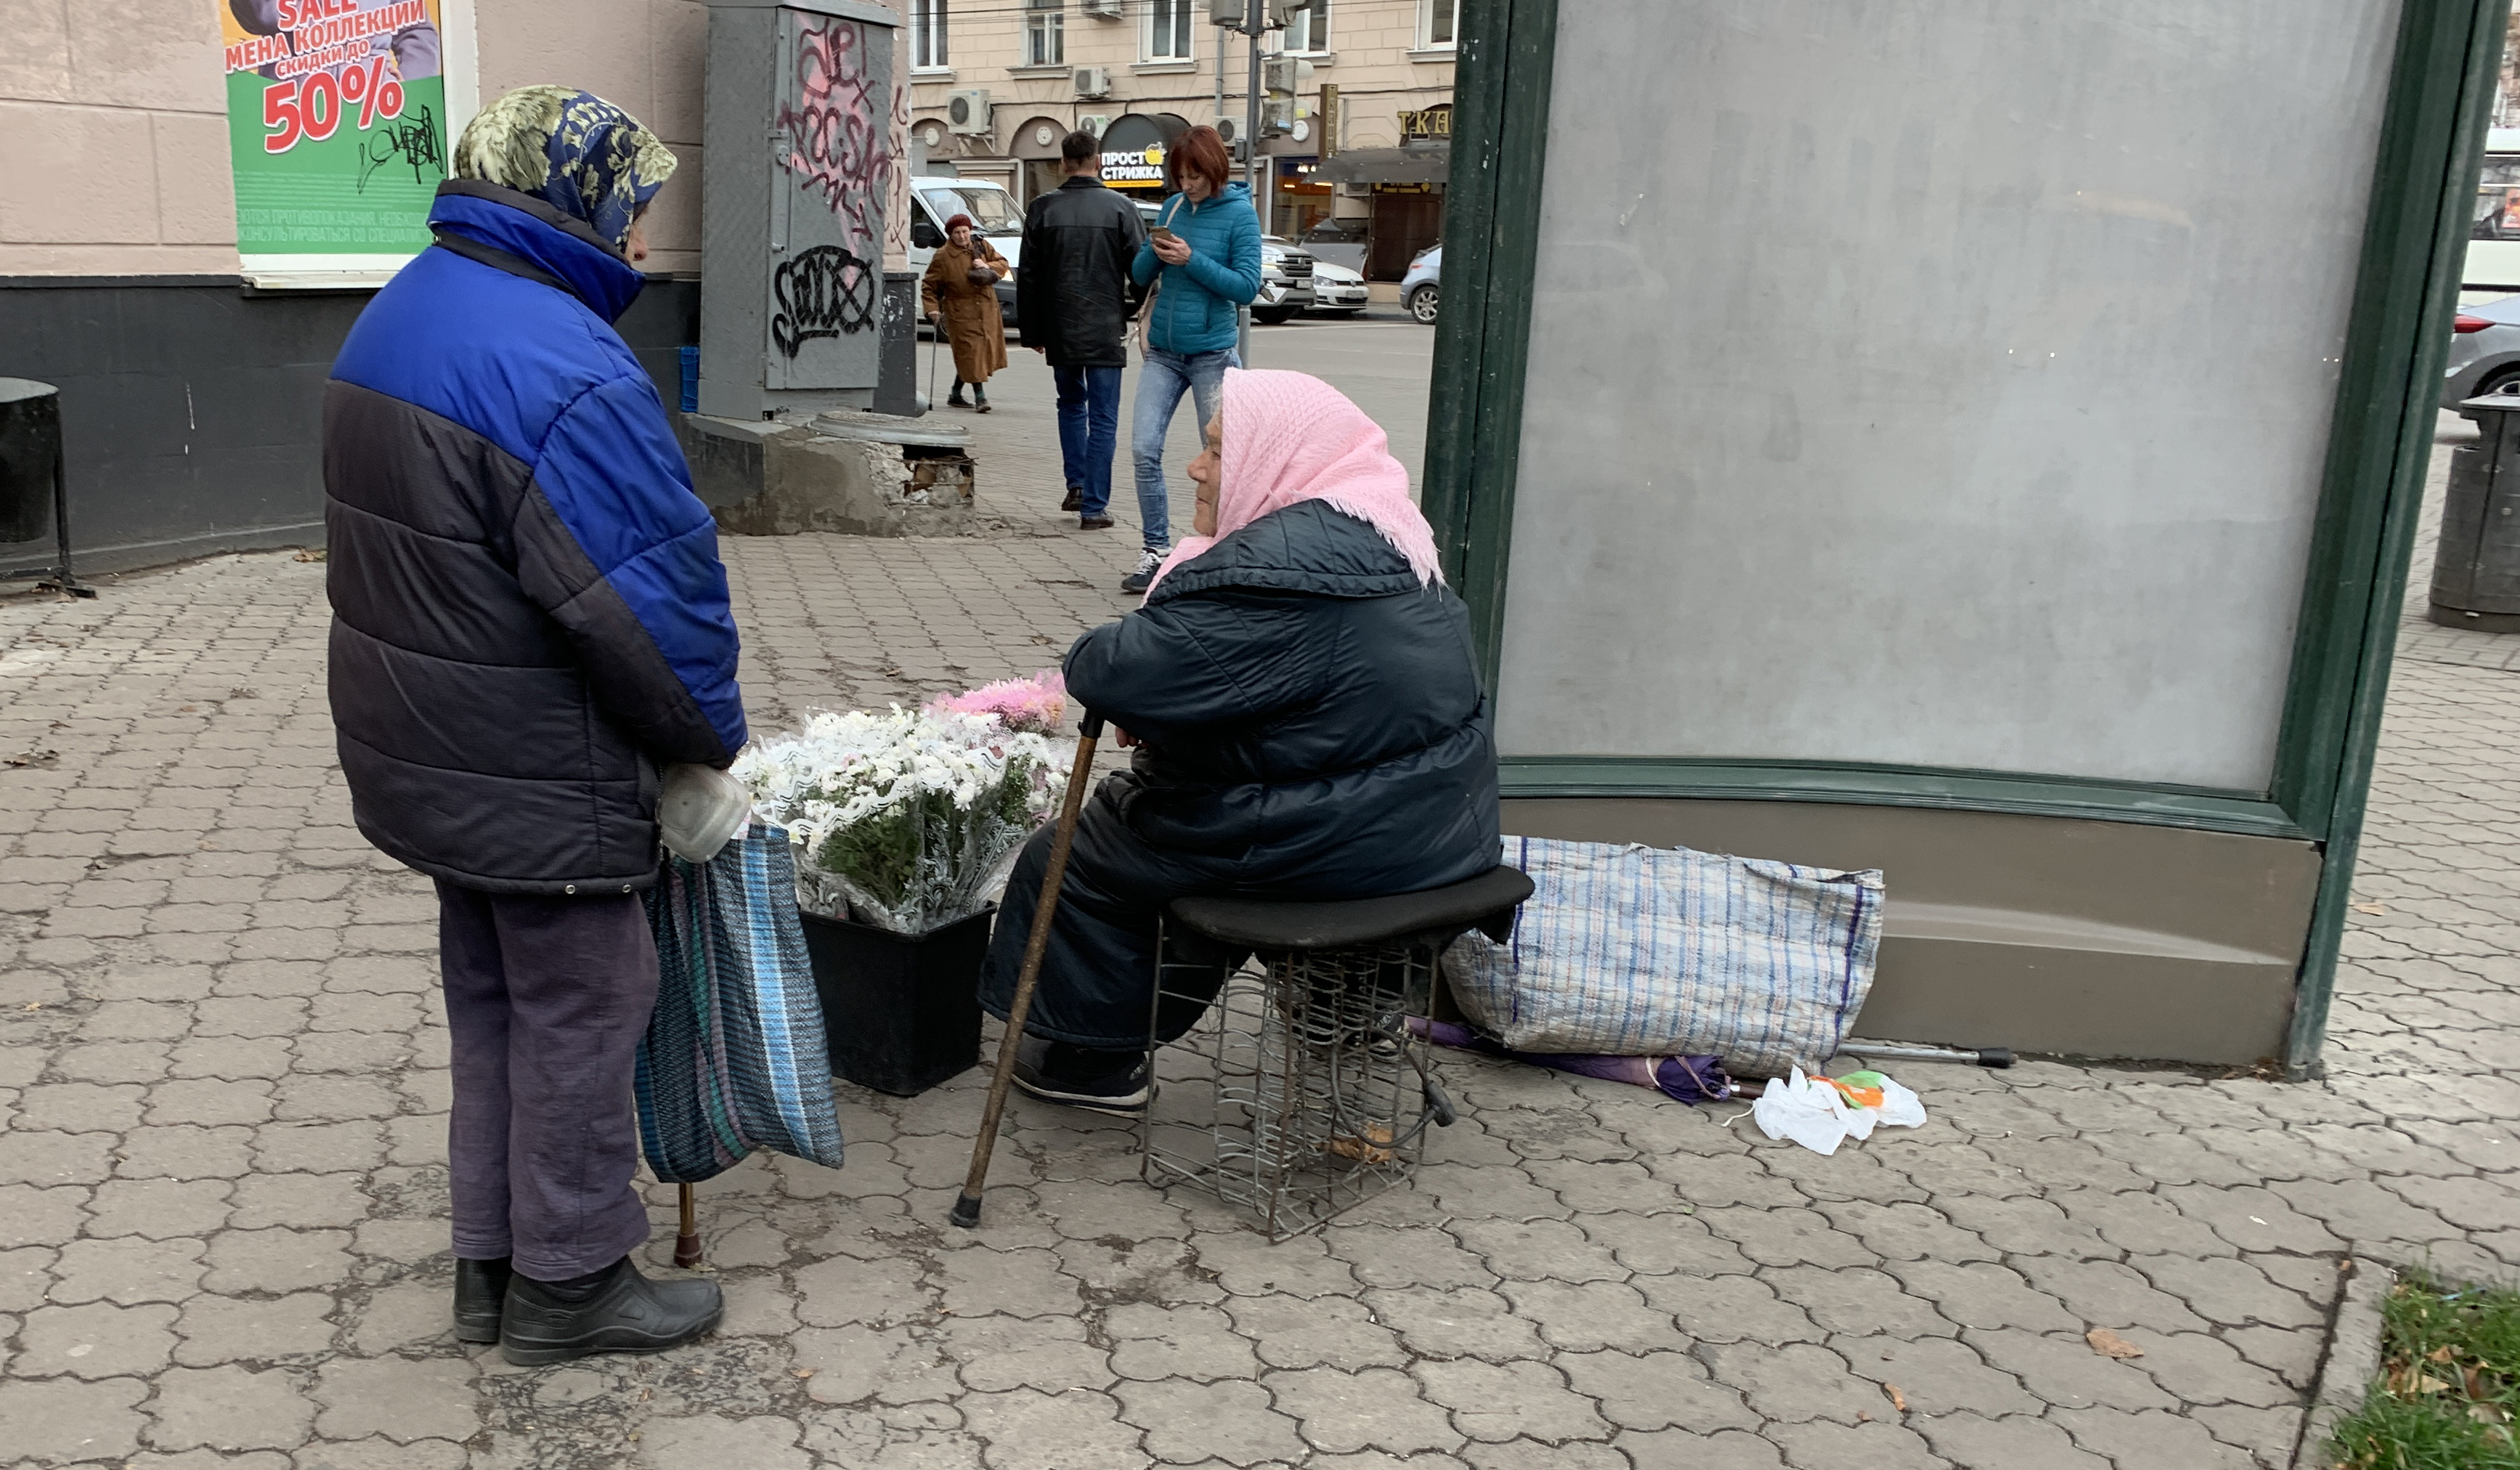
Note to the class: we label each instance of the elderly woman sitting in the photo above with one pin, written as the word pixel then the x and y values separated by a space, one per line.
pixel 1307 720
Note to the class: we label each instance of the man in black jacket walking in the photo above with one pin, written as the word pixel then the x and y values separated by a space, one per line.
pixel 1072 301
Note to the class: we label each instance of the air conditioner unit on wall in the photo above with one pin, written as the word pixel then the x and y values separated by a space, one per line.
pixel 968 112
pixel 1097 123
pixel 1093 82
pixel 1108 9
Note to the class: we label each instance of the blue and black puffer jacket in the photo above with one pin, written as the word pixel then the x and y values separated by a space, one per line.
pixel 529 614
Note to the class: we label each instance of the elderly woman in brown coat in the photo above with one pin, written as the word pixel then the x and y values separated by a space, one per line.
pixel 961 292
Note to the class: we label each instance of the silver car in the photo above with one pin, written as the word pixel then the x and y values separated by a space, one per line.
pixel 2484 351
pixel 1419 291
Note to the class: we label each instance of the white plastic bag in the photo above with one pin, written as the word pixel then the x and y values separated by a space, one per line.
pixel 1813 1112
pixel 699 808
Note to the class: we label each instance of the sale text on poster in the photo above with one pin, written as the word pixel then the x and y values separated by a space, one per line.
pixel 336 123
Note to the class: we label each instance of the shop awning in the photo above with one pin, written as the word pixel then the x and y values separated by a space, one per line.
pixel 1427 164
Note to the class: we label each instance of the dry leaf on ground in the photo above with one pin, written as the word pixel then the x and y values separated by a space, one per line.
pixel 1898 1400
pixel 2109 1345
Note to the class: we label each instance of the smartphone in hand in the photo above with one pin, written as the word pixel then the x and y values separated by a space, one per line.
pixel 1159 233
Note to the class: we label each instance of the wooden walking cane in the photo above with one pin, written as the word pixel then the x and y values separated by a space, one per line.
pixel 687 1244
pixel 966 1209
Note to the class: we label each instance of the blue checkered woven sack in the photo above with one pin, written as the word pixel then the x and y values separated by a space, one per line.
pixel 733 1058
pixel 1634 951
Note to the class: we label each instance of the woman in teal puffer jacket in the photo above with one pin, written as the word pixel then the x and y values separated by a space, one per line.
pixel 1211 270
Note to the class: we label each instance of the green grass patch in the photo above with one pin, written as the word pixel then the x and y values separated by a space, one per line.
pixel 2448 1392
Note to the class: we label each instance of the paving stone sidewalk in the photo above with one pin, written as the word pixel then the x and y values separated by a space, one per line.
pixel 222 1193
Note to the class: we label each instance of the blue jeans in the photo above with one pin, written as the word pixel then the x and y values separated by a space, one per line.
pixel 1160 384
pixel 1088 430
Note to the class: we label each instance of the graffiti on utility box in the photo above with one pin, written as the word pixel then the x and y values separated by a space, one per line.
pixel 836 128
pixel 823 292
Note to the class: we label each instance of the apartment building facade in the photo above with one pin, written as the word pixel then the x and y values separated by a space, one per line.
pixel 997 85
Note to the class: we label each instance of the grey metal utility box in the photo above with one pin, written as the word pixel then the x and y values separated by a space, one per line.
pixel 799 165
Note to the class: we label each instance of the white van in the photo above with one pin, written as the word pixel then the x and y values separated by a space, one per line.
pixel 994 214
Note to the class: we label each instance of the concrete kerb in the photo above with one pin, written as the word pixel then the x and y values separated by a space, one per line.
pixel 2351 1360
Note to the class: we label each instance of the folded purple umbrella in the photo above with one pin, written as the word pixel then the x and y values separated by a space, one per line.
pixel 1691 1079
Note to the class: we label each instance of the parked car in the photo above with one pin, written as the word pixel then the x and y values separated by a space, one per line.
pixel 1338 242
pixel 1337 292
pixel 1417 290
pixel 2484 351
pixel 994 215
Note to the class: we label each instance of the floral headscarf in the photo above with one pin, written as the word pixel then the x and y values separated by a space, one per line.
pixel 571 150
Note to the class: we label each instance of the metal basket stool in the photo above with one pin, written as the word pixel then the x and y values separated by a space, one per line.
pixel 1295 1088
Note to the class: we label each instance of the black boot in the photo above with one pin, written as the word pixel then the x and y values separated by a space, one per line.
pixel 955 396
pixel 612 1311
pixel 480 1286
pixel 979 398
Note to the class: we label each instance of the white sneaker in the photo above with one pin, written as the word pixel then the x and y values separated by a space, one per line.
pixel 1148 562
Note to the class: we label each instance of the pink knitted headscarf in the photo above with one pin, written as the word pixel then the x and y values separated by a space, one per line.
pixel 1290 438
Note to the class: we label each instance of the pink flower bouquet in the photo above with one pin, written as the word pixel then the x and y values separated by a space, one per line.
pixel 1034 705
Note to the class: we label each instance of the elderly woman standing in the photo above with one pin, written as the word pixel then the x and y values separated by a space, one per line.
pixel 529 621
pixel 960 292
pixel 1307 718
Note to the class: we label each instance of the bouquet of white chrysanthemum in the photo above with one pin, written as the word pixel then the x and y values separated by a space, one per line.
pixel 905 821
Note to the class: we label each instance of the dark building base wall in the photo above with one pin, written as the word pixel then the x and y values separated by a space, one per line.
pixel 193 407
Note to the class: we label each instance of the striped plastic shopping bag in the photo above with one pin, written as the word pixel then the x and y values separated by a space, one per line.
pixel 1635 951
pixel 734 1060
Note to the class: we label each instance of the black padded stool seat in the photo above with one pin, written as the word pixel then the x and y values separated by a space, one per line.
pixel 1434 916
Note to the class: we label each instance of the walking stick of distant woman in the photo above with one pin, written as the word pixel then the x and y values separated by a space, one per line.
pixel 960 293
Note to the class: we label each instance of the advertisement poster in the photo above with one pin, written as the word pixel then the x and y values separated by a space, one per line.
pixel 337 122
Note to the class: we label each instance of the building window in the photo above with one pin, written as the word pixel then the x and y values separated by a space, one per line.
pixel 1438 20
pixel 1045 32
pixel 1168 33
pixel 1308 30
pixel 928 34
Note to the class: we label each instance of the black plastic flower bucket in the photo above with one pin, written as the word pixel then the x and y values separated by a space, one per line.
pixel 902 1010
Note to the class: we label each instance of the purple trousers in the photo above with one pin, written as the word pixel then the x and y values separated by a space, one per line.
pixel 546 999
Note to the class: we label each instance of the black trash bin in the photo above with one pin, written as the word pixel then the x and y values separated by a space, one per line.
pixel 34 485
pixel 30 457
pixel 2476 568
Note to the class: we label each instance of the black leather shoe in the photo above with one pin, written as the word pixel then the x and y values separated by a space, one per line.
pixel 629 1315
pixel 480 1286
pixel 1075 498
pixel 1093 523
